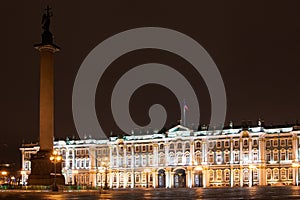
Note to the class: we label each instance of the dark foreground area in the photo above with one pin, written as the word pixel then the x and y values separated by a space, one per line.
pixel 181 193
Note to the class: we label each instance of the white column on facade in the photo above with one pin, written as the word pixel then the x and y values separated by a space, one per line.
pixel 153 179
pixel 118 179
pixel 167 160
pixel 295 147
pixel 132 179
pixel 92 164
pixel 205 177
pixel 125 179
pixel 189 178
pixel 111 178
pixel 241 176
pixel 125 156
pixel 171 179
pixel 167 172
pixel 262 161
pixel 250 154
pixel 231 176
pixel 231 151
pixel 192 153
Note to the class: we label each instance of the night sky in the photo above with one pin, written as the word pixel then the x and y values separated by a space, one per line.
pixel 255 44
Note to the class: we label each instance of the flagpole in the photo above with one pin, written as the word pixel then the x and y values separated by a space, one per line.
pixel 184 119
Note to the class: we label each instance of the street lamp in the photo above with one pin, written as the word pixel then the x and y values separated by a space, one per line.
pixel 296 166
pixel 55 158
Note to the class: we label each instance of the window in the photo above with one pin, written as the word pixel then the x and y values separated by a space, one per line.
pixel 290 173
pixel 129 148
pixel 198 145
pixel 275 156
pixel 137 178
pixel 290 142
pixel 150 147
pixel 275 143
pixel 282 142
pixel 246 157
pixel 227 176
pixel 268 156
pixel 236 175
pixel 269 174
pixel 255 155
pixel 283 154
pixel 171 146
pixel 137 148
pixel 290 155
pixel 144 162
pixel 268 143
pixel 211 158
pixel 236 143
pixel 275 174
pixel 137 161
pixel 161 146
pixel 255 174
pixel 236 156
pixel 211 145
pixel 211 175
pixel 219 158
pixel 179 158
pixel 129 162
pixel 187 146
pixel 219 144
pixel 172 159
pixel 283 173
pixel 226 144
pixel 254 142
pixel 245 142
pixel 187 159
pixel 150 160
pixel 227 160
pixel 179 146
pixel 219 175
pixel 198 157
pixel 161 158
pixel 143 148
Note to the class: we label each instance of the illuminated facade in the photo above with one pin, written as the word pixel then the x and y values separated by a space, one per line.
pixel 181 157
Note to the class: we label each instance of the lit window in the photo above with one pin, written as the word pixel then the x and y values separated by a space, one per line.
pixel 226 144
pixel 290 142
pixel 282 142
pixel 245 142
pixel 236 143
pixel 268 143
pixel 290 155
pixel 283 154
pixel 275 143
pixel 254 142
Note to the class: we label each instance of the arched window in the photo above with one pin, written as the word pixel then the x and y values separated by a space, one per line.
pixel 171 146
pixel 269 174
pixel 179 146
pixel 187 146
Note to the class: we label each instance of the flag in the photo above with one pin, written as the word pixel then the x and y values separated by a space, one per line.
pixel 185 107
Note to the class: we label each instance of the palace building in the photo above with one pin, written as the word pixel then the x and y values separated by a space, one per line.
pixel 180 157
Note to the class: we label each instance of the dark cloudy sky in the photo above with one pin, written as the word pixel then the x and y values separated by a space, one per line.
pixel 255 44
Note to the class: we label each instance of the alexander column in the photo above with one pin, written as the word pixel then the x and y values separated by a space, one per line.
pixel 42 169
